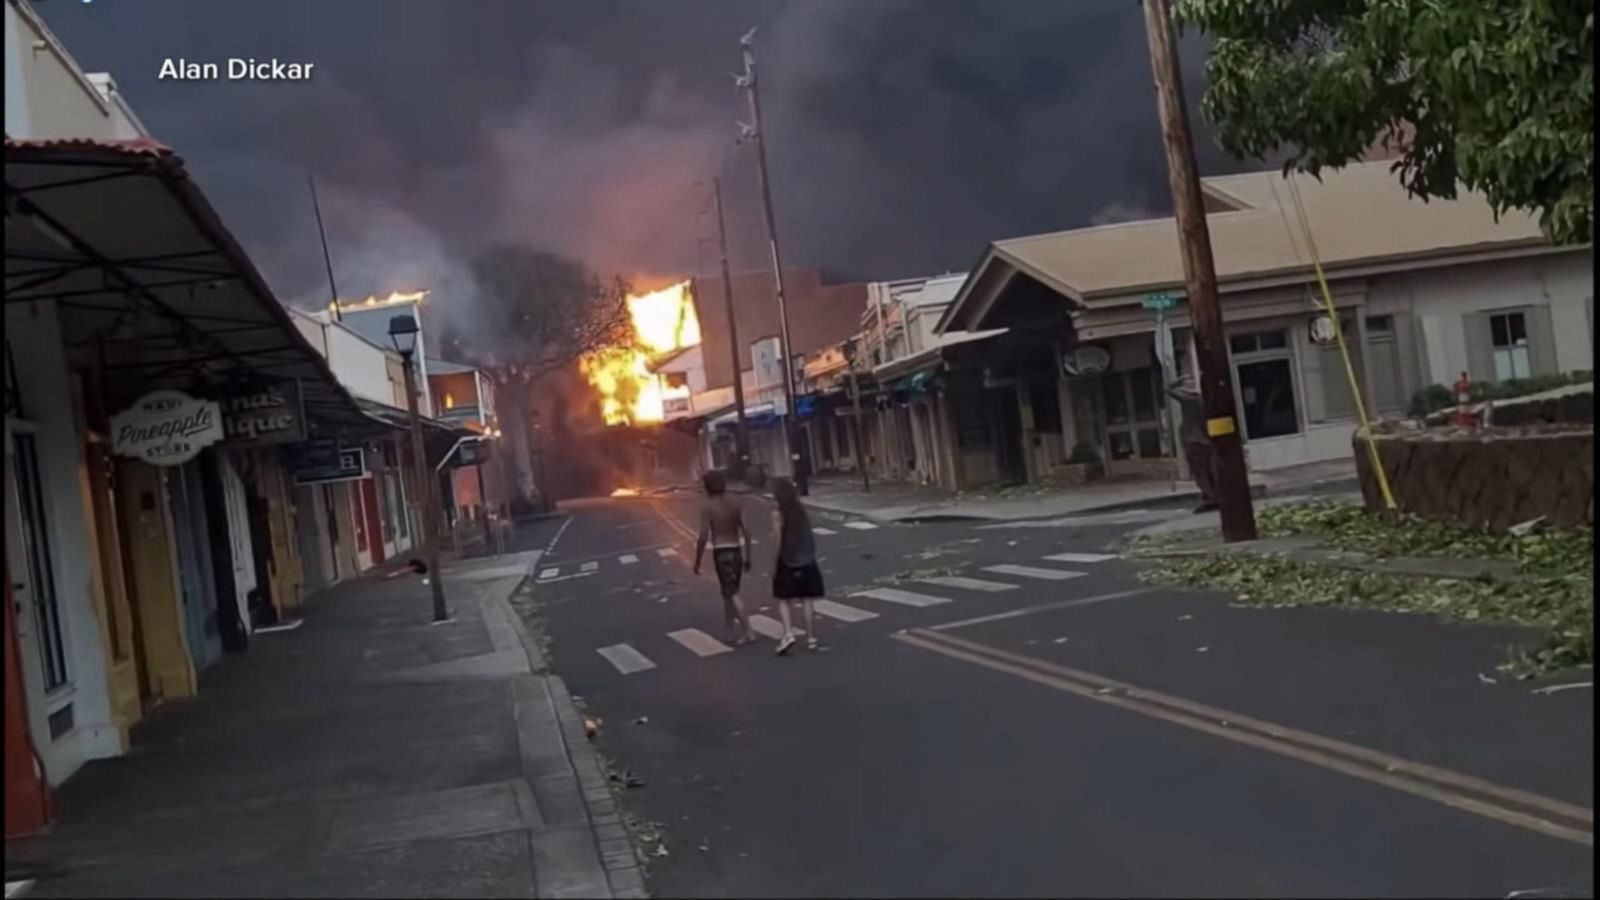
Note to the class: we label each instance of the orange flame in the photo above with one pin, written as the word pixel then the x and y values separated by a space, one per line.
pixel 395 298
pixel 662 321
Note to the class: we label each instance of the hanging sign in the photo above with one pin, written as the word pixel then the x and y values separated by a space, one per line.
pixel 273 415
pixel 766 362
pixel 166 428
pixel 323 461
pixel 1323 330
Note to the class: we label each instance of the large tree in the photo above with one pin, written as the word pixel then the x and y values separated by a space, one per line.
pixel 1494 94
pixel 533 313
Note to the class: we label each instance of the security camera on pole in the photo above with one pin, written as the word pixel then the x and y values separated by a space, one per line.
pixel 753 131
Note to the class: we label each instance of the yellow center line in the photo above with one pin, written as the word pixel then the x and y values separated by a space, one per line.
pixel 1359 762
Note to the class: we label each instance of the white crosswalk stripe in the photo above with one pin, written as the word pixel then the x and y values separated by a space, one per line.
pixel 860 526
pixel 626 659
pixel 699 642
pixel 627 559
pixel 771 628
pixel 589 567
pixel 551 572
pixel 904 598
pixel 1081 557
pixel 824 531
pixel 1034 572
pixel 842 612
pixel 665 552
pixel 970 584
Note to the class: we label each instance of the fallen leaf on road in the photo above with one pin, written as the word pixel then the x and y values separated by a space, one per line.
pixel 1486 679
pixel 642 720
pixel 1185 618
pixel 661 850
pixel 1202 649
pixel 1061 640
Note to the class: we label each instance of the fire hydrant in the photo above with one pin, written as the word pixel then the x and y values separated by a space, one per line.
pixel 1464 402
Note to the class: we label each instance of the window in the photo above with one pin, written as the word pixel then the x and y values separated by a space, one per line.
pixel 1132 413
pixel 675 380
pixel 38 560
pixel 1258 341
pixel 1267 391
pixel 1508 332
pixel 1388 388
pixel 1263 367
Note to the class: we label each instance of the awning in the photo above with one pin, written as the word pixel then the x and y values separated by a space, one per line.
pixel 438 438
pixel 760 415
pixel 145 273
pixel 914 383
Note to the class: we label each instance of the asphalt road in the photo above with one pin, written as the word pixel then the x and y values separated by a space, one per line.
pixel 1054 727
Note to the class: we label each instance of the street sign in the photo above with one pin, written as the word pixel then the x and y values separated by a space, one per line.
pixel 1159 302
pixel 166 428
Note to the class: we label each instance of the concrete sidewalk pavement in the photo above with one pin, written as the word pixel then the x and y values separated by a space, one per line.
pixel 369 752
pixel 901 502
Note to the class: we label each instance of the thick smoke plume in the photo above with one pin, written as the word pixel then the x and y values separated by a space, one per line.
pixel 903 134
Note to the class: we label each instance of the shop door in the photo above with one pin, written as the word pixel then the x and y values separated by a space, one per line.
pixel 369 509
pixel 193 542
pixel 30 564
pixel 1006 420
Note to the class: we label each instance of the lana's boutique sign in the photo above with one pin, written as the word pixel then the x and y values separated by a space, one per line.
pixel 166 428
pixel 269 416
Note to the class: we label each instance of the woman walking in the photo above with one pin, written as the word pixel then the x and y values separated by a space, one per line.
pixel 796 579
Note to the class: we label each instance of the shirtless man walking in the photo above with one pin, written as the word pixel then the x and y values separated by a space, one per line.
pixel 722 523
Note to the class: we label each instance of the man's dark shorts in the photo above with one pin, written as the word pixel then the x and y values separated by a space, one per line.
pixel 730 569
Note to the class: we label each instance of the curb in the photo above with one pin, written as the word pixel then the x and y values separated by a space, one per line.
pixel 1257 491
pixel 607 856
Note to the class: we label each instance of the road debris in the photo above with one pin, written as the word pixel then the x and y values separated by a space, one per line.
pixel 1185 618
pixel 1104 690
pixel 1557 688
pixel 661 850
pixel 642 720
pixel 1061 640
pixel 1205 649
pixel 1486 679
pixel 591 728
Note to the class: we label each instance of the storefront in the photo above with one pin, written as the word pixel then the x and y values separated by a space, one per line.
pixel 131 317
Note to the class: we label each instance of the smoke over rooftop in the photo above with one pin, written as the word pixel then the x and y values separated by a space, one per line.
pixel 903 134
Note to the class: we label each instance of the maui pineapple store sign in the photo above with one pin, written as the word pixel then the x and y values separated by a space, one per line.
pixel 166 428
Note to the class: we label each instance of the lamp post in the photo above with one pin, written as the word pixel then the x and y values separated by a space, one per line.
pixel 851 351
pixel 403 333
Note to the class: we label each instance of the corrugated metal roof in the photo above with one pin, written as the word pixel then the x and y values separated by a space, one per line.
pixel 128 147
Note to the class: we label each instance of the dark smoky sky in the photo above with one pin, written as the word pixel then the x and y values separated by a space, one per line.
pixel 903 135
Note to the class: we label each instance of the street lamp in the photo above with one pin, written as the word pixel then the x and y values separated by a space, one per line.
pixel 403 333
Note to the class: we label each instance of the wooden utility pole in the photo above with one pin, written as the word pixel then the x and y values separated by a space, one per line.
pixel 327 260
pixel 1200 277
pixel 747 81
pixel 742 434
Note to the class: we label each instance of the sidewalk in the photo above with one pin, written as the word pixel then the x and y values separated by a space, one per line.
pixel 367 753
pixel 901 502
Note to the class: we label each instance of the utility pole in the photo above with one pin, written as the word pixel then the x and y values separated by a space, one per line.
pixel 1200 277
pixel 747 81
pixel 742 434
pixel 327 260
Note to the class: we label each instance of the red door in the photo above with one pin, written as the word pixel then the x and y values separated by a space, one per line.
pixel 27 795
pixel 369 503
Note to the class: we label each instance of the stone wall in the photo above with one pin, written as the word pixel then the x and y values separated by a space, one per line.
pixel 1493 477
